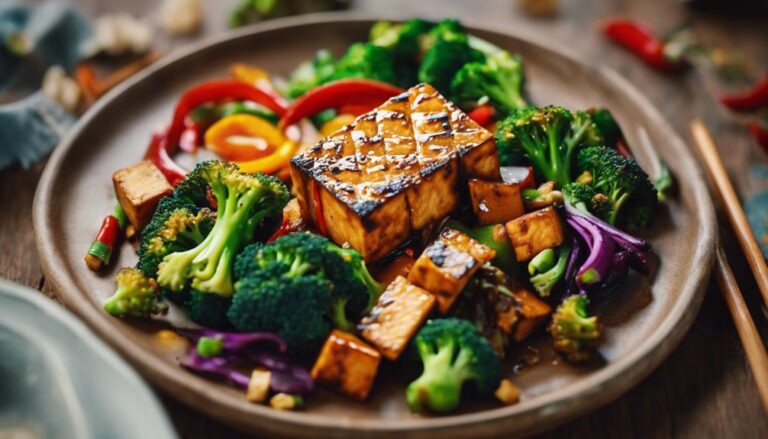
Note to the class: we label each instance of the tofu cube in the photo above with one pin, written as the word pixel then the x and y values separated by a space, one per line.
pixel 532 312
pixel 495 202
pixel 399 313
pixel 139 188
pixel 448 264
pixel 347 364
pixel 534 232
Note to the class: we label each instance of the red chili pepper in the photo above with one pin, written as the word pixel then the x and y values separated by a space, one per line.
pixel 529 181
pixel 281 231
pixel 100 252
pixel 622 148
pixel 161 148
pixel 642 42
pixel 751 100
pixel 337 94
pixel 483 114
pixel 318 206
pixel 759 133
pixel 358 108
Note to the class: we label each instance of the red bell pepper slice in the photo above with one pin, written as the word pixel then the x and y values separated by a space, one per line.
pixel 337 94
pixel 752 100
pixel 759 133
pixel 163 146
pixel 483 115
pixel 642 42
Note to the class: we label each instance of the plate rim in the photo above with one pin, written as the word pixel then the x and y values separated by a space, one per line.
pixel 585 394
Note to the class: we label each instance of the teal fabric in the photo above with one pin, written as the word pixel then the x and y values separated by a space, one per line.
pixel 30 128
pixel 32 39
pixel 52 34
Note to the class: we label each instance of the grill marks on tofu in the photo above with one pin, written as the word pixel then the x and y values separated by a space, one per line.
pixel 398 314
pixel 393 171
pixel 446 266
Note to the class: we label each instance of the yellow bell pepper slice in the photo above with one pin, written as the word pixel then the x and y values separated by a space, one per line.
pixel 272 163
pixel 336 124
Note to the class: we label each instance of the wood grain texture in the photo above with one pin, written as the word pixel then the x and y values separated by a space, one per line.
pixel 705 388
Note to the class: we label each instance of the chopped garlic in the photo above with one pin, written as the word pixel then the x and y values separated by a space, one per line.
pixel 118 34
pixel 508 393
pixel 61 89
pixel 285 401
pixel 258 386
pixel 181 17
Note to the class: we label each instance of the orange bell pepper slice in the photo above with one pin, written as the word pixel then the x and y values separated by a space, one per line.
pixel 243 137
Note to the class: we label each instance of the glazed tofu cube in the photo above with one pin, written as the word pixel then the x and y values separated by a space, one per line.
pixel 347 364
pixel 532 312
pixel 495 202
pixel 139 188
pixel 534 232
pixel 399 313
pixel 448 264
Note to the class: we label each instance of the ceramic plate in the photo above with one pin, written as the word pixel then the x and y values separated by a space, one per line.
pixel 58 380
pixel 644 322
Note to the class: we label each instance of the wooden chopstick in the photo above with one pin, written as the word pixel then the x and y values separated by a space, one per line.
pixel 750 338
pixel 727 195
pixel 745 326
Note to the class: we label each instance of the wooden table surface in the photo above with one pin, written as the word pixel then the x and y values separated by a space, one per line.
pixel 705 388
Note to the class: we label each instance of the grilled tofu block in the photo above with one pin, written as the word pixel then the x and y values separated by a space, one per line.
pixel 532 313
pixel 495 202
pixel 476 148
pixel 534 232
pixel 399 313
pixel 347 364
pixel 392 171
pixel 139 188
pixel 448 264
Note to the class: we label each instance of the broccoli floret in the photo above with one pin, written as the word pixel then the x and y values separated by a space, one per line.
pixel 445 50
pixel 444 30
pixel 208 309
pixel 243 201
pixel 584 198
pixel 365 60
pixel 293 306
pixel 340 282
pixel 453 353
pixel 545 274
pixel 404 39
pixel 311 74
pixel 175 226
pixel 136 296
pixel 443 60
pixel 499 80
pixel 606 126
pixel 548 137
pixel 574 333
pixel 627 189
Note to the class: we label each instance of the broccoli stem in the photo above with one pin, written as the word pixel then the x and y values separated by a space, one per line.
pixel 209 264
pixel 439 386
pixel 338 314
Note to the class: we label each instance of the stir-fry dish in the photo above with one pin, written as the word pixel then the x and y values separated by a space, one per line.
pixel 403 202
